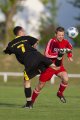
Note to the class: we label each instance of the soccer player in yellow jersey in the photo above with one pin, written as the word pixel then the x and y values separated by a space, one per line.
pixel 24 48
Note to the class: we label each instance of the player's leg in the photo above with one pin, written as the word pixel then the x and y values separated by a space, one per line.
pixel 63 85
pixel 27 91
pixel 44 77
pixel 37 90
pixel 28 75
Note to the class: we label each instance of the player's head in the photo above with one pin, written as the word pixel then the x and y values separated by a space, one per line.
pixel 60 31
pixel 19 31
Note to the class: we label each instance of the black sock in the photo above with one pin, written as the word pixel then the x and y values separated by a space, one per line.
pixel 28 92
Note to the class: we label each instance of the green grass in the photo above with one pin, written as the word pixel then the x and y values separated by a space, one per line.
pixel 47 105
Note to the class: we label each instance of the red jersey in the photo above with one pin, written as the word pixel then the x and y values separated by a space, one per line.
pixel 54 46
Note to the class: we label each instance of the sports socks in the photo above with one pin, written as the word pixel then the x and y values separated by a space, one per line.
pixel 62 87
pixel 35 95
pixel 28 92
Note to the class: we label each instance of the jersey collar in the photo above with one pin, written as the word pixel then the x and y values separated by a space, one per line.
pixel 17 36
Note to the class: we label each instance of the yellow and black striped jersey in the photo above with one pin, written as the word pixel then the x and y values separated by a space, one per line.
pixel 20 46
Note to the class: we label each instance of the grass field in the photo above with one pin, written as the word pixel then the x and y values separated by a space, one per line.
pixel 47 106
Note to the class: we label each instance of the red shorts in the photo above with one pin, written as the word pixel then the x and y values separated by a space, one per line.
pixel 49 72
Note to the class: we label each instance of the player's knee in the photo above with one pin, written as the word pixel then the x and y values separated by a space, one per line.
pixel 40 86
pixel 65 80
pixel 27 83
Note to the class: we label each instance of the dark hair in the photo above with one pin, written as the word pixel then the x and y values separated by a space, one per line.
pixel 61 29
pixel 17 29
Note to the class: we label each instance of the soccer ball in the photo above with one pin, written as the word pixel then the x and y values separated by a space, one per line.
pixel 72 32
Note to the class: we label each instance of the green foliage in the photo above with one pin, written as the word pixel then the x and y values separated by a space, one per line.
pixel 44 1
pixel 6 5
pixel 46 34
pixel 9 8
pixel 48 23
pixel 51 11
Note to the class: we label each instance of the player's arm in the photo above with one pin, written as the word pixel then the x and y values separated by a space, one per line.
pixel 55 67
pixel 69 54
pixel 49 50
pixel 32 40
pixel 48 63
pixel 61 52
pixel 8 50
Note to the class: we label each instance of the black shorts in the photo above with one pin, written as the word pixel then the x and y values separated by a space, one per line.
pixel 36 63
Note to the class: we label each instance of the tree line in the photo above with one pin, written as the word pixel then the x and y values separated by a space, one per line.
pixel 10 7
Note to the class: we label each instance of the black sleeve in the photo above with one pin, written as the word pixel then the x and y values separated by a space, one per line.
pixel 32 40
pixel 8 50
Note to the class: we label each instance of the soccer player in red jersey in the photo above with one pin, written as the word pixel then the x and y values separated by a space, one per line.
pixel 54 47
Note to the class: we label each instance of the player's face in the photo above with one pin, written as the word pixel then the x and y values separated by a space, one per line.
pixel 22 32
pixel 60 35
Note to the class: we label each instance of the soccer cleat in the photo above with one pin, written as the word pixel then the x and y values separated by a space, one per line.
pixel 29 106
pixel 61 97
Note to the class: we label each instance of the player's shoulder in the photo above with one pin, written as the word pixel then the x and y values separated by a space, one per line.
pixel 25 37
pixel 53 39
pixel 66 40
pixel 17 40
pixel 29 36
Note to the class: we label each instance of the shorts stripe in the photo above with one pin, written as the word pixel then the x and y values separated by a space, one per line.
pixel 26 76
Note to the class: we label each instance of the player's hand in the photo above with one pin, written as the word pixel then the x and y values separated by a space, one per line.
pixel 56 68
pixel 68 50
pixel 70 59
pixel 61 52
pixel 53 66
pixel 7 51
pixel 4 51
pixel 64 50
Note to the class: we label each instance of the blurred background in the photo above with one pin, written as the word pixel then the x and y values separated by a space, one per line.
pixel 39 19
